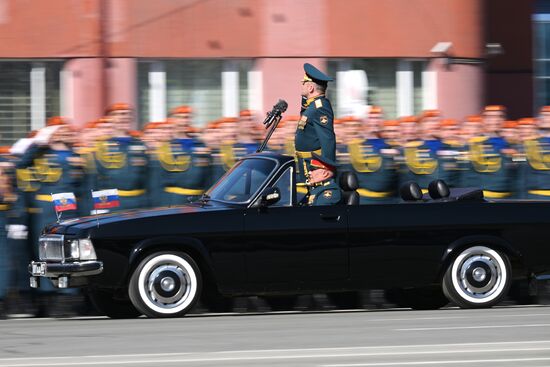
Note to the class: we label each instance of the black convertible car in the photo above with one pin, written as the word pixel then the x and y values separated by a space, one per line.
pixel 248 236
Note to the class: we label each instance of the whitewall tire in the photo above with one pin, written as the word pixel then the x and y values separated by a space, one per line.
pixel 479 277
pixel 165 284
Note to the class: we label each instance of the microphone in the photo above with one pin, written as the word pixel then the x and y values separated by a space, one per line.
pixel 273 117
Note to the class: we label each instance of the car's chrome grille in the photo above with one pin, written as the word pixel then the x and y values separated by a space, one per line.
pixel 50 247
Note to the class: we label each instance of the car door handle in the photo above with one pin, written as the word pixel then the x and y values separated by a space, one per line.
pixel 330 216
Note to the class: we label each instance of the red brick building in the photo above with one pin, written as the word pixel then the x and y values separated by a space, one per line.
pixel 73 57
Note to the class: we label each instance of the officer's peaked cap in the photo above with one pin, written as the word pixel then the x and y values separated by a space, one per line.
pixel 315 75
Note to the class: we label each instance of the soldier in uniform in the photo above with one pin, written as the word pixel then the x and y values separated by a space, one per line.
pixel 491 157
pixel 315 130
pixel 537 152
pixel 213 136
pixel 420 150
pixel 372 160
pixel 121 160
pixel 7 199
pixel 323 190
pixel 47 167
pixel 449 154
pixel 184 162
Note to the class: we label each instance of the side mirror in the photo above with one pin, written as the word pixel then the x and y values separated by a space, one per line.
pixel 270 196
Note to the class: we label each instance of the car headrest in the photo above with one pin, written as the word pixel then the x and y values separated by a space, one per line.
pixel 410 191
pixel 438 189
pixel 348 181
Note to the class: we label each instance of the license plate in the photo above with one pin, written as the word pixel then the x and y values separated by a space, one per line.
pixel 38 268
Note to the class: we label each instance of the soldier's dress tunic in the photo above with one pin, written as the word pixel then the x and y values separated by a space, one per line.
pixel 122 164
pixel 314 133
pixel 537 168
pixel 324 193
pixel 489 168
pixel 421 163
pixel 184 170
pixel 376 172
pixel 43 171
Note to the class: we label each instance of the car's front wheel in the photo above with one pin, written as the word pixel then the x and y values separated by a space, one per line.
pixel 165 284
pixel 479 277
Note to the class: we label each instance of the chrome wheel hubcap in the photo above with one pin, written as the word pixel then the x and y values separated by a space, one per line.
pixel 480 274
pixel 167 285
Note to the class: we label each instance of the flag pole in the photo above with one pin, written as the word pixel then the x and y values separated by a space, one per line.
pixel 57 214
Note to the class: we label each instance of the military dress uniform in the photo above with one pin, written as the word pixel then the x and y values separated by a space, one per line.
pixel 315 130
pixel 490 169
pixel 376 172
pixel 43 171
pixel 537 168
pixel 121 164
pixel 421 163
pixel 184 170
pixel 326 192
pixel 7 197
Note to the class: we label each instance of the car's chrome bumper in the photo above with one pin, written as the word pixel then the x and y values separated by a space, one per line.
pixel 63 275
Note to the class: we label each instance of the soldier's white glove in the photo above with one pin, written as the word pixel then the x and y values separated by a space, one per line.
pixel 17 231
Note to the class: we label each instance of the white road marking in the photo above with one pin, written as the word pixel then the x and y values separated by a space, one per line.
pixel 280 354
pixel 419 363
pixel 459 317
pixel 471 327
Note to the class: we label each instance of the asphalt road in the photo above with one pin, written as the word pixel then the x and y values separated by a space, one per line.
pixel 507 336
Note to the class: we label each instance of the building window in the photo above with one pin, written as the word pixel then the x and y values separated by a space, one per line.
pixel 371 82
pixel 28 90
pixel 541 24
pixel 197 83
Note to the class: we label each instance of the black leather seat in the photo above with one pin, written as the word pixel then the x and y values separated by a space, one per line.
pixel 438 189
pixel 348 183
pixel 410 191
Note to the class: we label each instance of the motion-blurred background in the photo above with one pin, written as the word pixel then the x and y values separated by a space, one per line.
pixel 424 89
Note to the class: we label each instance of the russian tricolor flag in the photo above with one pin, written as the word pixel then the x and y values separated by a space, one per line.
pixel 104 199
pixel 64 201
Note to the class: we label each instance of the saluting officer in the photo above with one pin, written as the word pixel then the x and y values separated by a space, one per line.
pixel 184 161
pixel 323 189
pixel 315 130
pixel 47 167
pixel 121 160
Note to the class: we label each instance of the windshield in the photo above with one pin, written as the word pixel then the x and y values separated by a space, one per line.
pixel 242 181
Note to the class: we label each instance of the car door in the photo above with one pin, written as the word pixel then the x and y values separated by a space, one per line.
pixel 295 247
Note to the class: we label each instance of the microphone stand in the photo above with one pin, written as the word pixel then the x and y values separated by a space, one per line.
pixel 272 121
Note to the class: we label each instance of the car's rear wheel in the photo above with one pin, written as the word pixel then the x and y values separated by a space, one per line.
pixel 479 277
pixel 108 304
pixel 165 284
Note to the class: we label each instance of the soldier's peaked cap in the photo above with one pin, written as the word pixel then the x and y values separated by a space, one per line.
pixel 315 75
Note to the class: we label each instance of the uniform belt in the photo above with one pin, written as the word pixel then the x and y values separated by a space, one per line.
pixel 496 194
pixel 374 194
pixel 43 197
pixel 301 188
pixel 128 193
pixel 183 191
pixel 300 154
pixel 539 192
pixel 4 207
